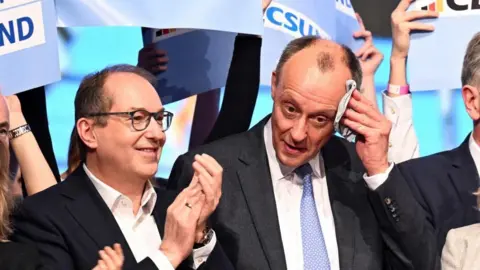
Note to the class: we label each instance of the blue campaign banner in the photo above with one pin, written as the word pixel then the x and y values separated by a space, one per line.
pixel 242 16
pixel 435 59
pixel 347 24
pixel 28 45
pixel 199 61
pixel 286 20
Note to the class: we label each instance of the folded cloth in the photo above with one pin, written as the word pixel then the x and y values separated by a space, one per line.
pixel 346 132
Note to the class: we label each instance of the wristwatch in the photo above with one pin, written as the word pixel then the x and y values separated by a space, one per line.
pixel 19 131
pixel 207 237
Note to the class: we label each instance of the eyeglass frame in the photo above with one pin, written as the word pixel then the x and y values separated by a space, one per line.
pixel 168 114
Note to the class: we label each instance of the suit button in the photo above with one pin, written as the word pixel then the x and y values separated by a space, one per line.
pixel 388 201
pixel 393 209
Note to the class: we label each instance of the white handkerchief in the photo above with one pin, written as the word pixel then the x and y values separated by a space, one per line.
pixel 346 132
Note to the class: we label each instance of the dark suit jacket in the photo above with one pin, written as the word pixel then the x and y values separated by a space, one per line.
pixel 70 223
pixel 16 256
pixel 443 184
pixel 246 220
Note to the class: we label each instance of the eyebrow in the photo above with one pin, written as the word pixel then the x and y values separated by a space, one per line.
pixel 137 108
pixel 4 124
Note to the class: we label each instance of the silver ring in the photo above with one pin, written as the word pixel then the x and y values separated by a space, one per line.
pixel 188 205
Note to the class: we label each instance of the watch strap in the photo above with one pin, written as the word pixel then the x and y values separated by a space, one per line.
pixel 19 131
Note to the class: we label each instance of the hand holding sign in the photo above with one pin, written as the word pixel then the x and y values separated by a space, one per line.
pixel 373 129
pixel 403 25
pixel 152 59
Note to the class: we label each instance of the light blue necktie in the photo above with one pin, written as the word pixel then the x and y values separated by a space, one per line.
pixel 315 254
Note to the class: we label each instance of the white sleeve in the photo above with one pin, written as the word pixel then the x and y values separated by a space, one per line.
pixel 374 181
pixel 160 260
pixel 200 255
pixel 403 142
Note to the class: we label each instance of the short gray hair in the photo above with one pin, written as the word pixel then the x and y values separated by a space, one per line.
pixel 471 62
pixel 324 60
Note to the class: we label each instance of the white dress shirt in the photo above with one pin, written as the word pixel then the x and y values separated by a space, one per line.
pixel 141 231
pixel 403 140
pixel 474 151
pixel 288 188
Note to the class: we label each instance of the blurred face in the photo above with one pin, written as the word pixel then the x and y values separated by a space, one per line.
pixel 118 144
pixel 305 104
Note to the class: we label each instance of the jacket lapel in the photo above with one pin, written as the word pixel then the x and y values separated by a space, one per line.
pixel 338 174
pixel 92 214
pixel 464 177
pixel 256 184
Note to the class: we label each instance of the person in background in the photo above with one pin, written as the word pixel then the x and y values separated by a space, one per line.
pixel 14 256
pixel 120 125
pixel 443 184
pixel 462 247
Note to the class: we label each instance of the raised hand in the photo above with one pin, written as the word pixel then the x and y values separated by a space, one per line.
pixel 110 259
pixel 152 59
pixel 373 129
pixel 403 23
pixel 15 110
pixel 370 57
pixel 209 175
pixel 181 224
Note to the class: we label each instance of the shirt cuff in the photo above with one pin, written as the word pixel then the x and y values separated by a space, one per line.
pixel 161 261
pixel 374 181
pixel 200 255
pixel 397 109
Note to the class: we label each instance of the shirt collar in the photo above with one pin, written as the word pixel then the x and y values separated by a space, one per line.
pixel 474 151
pixel 112 196
pixel 277 170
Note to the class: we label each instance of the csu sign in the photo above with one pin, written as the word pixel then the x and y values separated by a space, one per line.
pixel 453 7
pixel 457 6
pixel 292 22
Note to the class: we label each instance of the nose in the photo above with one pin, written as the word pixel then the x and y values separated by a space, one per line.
pixel 155 132
pixel 299 130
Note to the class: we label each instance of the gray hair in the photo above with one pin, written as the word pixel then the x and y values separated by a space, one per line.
pixel 325 60
pixel 471 62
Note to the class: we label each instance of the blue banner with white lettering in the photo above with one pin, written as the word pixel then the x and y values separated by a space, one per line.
pixel 435 59
pixel 347 24
pixel 199 61
pixel 286 20
pixel 242 16
pixel 28 45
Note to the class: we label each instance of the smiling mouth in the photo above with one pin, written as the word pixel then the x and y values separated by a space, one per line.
pixel 148 150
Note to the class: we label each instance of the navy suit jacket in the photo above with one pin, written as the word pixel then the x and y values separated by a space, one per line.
pixel 69 223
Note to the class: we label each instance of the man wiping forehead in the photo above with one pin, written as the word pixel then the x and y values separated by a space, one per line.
pixel 307 91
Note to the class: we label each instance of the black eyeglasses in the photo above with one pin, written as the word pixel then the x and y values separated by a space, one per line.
pixel 141 118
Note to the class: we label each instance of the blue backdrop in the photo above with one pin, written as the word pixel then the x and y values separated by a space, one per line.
pixel 439 116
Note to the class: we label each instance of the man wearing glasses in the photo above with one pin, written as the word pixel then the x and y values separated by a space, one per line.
pixel 120 130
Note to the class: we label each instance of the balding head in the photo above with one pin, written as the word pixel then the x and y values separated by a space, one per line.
pixel 327 54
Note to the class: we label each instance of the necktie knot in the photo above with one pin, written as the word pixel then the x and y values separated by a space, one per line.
pixel 304 170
